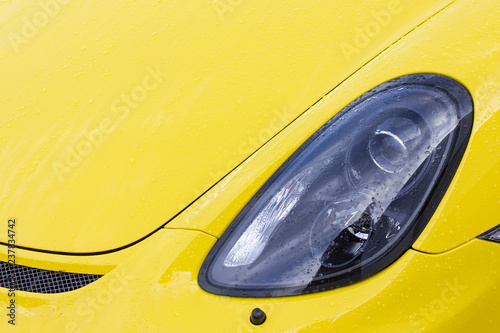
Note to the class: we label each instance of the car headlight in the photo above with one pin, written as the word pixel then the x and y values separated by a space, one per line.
pixel 353 198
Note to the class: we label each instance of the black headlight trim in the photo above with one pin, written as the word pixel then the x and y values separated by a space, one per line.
pixel 492 235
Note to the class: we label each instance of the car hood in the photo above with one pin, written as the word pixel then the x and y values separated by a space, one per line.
pixel 116 116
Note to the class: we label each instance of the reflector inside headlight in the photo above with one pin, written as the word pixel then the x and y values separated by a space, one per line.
pixel 352 199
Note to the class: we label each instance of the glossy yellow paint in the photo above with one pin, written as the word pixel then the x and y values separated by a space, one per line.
pixel 152 286
pixel 116 116
pixel 156 290
pixel 471 56
pixel 87 264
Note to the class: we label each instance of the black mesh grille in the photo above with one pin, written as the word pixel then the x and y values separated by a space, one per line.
pixel 41 281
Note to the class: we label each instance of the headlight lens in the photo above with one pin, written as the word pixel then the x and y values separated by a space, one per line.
pixel 353 198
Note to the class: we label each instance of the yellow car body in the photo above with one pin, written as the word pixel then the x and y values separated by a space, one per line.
pixel 133 133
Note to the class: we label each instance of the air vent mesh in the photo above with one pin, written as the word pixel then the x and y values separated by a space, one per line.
pixel 42 281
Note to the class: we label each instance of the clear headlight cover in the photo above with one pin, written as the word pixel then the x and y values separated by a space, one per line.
pixel 353 198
